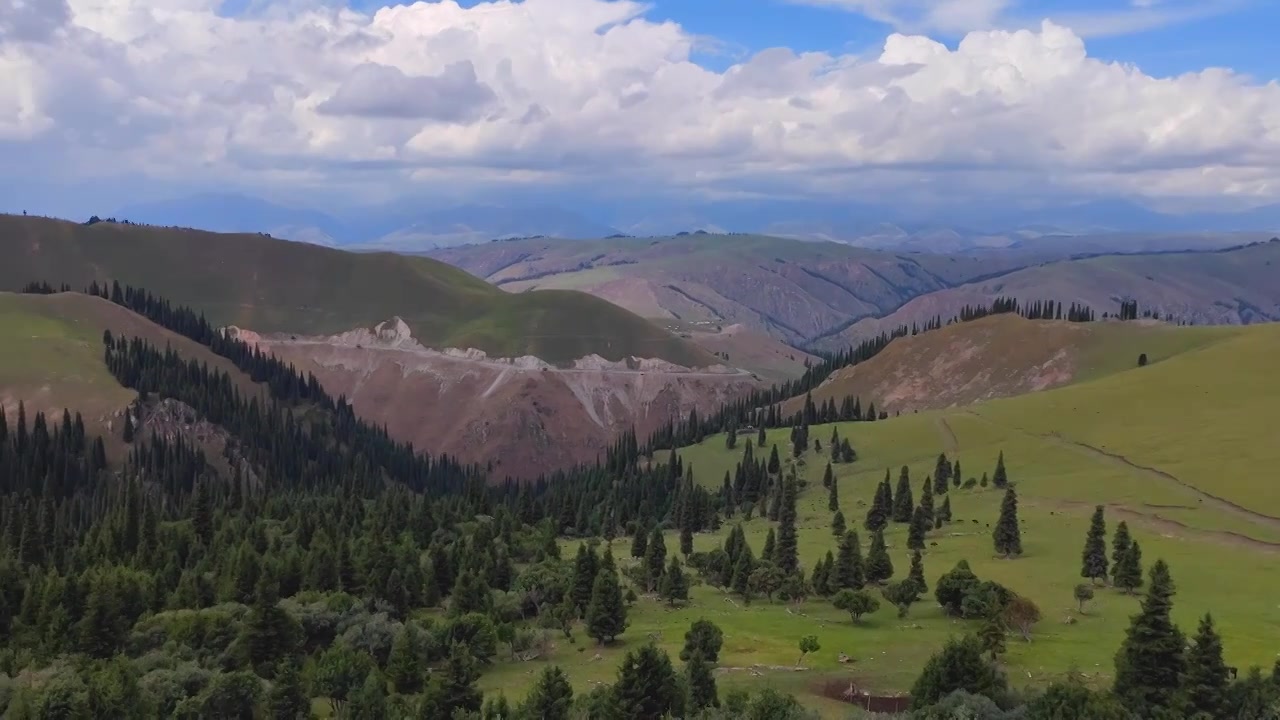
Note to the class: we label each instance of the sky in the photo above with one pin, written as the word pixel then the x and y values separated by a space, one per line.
pixel 1172 104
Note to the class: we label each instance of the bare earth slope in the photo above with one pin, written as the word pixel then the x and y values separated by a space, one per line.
pixel 1004 356
pixel 274 285
pixel 523 415
pixel 791 289
pixel 1225 287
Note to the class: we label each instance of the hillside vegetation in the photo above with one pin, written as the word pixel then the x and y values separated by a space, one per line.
pixel 1001 356
pixel 272 285
pixel 51 356
pixel 1182 450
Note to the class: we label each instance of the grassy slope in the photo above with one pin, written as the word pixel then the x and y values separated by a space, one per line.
pixel 1203 416
pixel 51 356
pixel 791 289
pixel 273 285
pixel 1001 356
pixel 1204 287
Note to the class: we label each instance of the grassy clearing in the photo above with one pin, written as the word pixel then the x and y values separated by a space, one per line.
pixel 277 286
pixel 1211 434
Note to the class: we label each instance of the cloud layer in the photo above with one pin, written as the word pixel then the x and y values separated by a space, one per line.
pixel 595 92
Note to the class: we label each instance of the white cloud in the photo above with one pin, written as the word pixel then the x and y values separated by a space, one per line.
pixel 594 92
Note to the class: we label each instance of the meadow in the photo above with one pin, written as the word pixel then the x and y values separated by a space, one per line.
pixel 1183 450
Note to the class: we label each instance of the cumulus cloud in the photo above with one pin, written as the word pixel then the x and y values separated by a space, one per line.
pixel 591 91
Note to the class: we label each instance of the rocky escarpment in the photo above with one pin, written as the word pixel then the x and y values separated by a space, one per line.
pixel 522 415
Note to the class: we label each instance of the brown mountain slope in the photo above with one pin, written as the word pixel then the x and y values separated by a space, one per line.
pixel 522 415
pixel 1001 356
pixel 790 289
pixel 1224 287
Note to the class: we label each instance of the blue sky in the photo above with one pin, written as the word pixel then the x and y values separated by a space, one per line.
pixel 1165 37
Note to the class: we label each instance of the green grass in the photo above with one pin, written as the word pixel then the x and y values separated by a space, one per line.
pixel 277 286
pixel 1205 416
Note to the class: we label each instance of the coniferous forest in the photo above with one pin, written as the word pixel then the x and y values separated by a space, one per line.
pixel 306 563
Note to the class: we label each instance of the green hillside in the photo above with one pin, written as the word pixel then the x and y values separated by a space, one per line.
pixel 1157 445
pixel 51 356
pixel 272 285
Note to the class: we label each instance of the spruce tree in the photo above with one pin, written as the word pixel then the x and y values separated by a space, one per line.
pixel 585 568
pixel 1094 558
pixel 775 465
pixel 838 524
pixel 655 560
pixel 833 493
pixel 1007 535
pixel 926 502
pixel 827 477
pixel 369 701
pixel 956 476
pixel 878 513
pixel 675 586
pixel 944 512
pixel 742 569
pixel 701 684
pixel 551 697
pixel 405 664
pixel 647 686
pixel 1128 571
pixel 1000 478
pixel 686 540
pixel 903 503
pixel 941 475
pixel 703 638
pixel 879 567
pixel 606 613
pixel 849 571
pixel 760 436
pixel 958 666
pixel 917 572
pixel 1120 543
pixel 1151 660
pixel 457 688
pixel 770 546
pixel 639 542
pixel 786 555
pixel 1206 679
pixel 916 532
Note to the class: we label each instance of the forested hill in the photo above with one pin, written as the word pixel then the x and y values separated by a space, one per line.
pixel 270 285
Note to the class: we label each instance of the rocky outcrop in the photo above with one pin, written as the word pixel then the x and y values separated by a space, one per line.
pixel 523 415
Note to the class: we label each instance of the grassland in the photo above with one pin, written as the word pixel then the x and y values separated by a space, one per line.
pixel 1001 356
pixel 51 356
pixel 1150 443
pixel 276 286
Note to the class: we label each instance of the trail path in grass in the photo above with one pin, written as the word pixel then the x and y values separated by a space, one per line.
pixel 949 441
pixel 1204 500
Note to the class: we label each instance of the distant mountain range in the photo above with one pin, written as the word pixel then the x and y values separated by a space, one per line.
pixel 412 225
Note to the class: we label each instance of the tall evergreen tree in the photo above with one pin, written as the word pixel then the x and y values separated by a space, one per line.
pixel 1000 478
pixel 770 546
pixel 903 503
pixel 1127 572
pixel 655 560
pixel 585 568
pixel 369 702
pixel 551 697
pixel 675 586
pixel 917 572
pixel 639 542
pixel 405 664
pixel 606 613
pixel 1007 535
pixel 1120 543
pixel 647 688
pixel 1093 563
pixel 879 567
pixel 838 525
pixel 919 526
pixel 944 512
pixel 786 555
pixel 701 684
pixel 849 572
pixel 941 474
pixel 1206 679
pixel 287 699
pixel 833 492
pixel 881 507
pixel 1151 660
pixel 926 502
